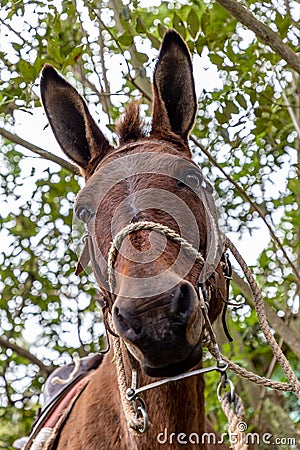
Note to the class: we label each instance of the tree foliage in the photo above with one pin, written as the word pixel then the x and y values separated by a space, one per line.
pixel 246 139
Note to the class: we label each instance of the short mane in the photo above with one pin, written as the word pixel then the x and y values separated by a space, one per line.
pixel 130 126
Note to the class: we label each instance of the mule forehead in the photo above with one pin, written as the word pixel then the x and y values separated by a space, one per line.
pixel 129 187
pixel 121 166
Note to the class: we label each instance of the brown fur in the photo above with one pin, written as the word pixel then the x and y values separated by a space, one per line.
pixel 130 127
pixel 97 420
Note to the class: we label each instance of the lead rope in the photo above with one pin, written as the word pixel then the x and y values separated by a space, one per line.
pixel 134 417
pixel 236 426
pixel 261 315
pixel 233 408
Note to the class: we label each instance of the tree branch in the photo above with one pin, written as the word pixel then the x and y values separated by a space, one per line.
pixel 25 354
pixel 266 35
pixel 106 90
pixel 253 204
pixel 6 24
pixel 39 151
pixel 290 337
pixel 141 83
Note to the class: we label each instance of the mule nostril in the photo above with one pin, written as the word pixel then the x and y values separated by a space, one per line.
pixel 125 321
pixel 182 301
pixel 185 298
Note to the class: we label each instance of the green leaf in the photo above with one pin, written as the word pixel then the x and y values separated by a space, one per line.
pixel 216 59
pixel 231 107
pixel 27 70
pixel 260 127
pixel 74 55
pixel 141 57
pixel 201 42
pixel 140 26
pixel 241 100
pixel 125 39
pixel 161 30
pixel 17 46
pixel 222 117
pixel 154 41
pixel 179 25
pixel 205 20
pixel 54 51
pixel 193 23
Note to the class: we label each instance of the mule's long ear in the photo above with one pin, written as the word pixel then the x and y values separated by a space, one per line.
pixel 174 104
pixel 71 122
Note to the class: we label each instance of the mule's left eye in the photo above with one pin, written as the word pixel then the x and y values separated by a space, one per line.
pixel 193 179
pixel 84 213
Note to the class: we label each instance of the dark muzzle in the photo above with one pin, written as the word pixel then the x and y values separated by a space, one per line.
pixel 162 332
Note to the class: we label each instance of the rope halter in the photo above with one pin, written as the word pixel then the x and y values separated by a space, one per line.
pixel 151 226
pixel 133 405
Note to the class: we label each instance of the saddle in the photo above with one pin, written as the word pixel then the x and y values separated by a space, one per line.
pixel 61 390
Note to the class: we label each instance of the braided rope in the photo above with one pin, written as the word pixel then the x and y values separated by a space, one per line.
pixel 234 411
pixel 150 226
pixel 133 422
pixel 248 375
pixel 261 315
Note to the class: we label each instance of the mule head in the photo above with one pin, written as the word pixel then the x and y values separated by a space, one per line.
pixel 149 177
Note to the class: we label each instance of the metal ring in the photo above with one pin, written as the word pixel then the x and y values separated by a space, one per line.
pixel 141 403
pixel 222 385
pixel 222 365
pixel 141 411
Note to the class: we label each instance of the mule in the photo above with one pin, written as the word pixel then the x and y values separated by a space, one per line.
pixel 152 300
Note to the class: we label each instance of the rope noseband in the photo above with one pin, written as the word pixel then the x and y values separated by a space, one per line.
pixel 151 226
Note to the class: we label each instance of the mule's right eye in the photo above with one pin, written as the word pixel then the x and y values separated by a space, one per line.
pixel 84 213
